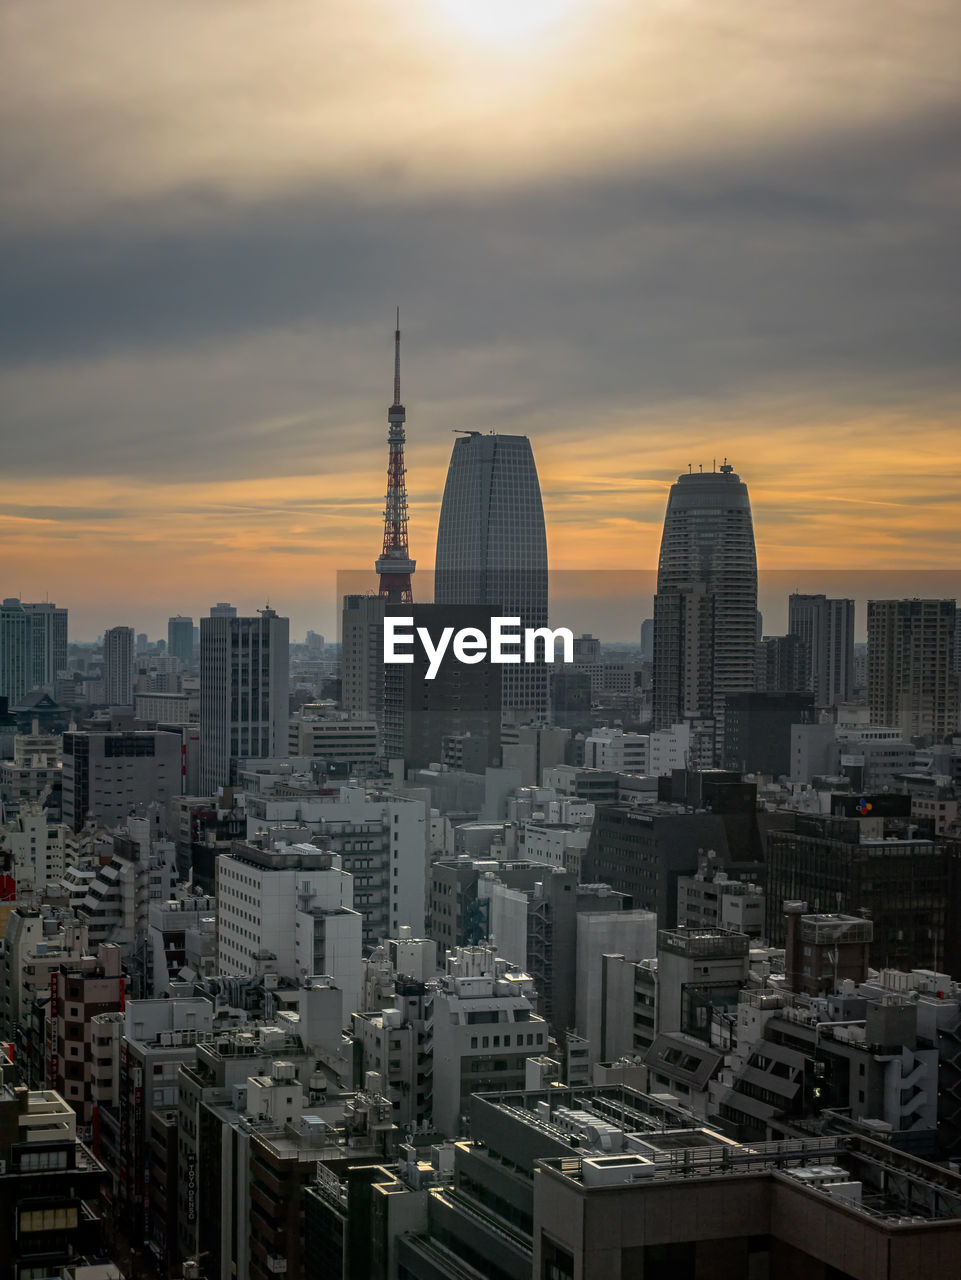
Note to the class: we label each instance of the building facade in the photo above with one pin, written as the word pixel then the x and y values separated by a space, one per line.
pixel 244 693
pixel 492 548
pixel 705 609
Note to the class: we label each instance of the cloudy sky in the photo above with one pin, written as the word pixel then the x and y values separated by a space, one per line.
pixel 643 234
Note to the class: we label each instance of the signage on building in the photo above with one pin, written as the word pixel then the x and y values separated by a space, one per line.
pixel 191 1186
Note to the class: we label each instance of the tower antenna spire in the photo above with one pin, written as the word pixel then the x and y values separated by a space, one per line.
pixel 395 566
pixel 397 361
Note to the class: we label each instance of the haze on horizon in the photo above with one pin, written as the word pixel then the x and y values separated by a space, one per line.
pixel 645 235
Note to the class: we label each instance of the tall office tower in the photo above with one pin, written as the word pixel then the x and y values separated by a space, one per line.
pixel 461 699
pixel 14 651
pixel 180 639
pixel 223 610
pixel 707 550
pixel 118 667
pixel 362 657
pixel 683 667
pixel 911 680
pixel 492 549
pixel 827 629
pixel 395 565
pixel 244 693
pixel 48 643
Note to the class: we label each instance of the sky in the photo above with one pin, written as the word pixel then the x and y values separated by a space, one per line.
pixel 646 235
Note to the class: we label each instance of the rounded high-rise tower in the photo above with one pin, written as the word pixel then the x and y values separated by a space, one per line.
pixel 705 610
pixel 492 547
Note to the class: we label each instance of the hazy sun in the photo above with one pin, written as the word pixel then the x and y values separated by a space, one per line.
pixel 505 19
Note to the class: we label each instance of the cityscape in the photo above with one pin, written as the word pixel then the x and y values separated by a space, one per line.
pixel 480 643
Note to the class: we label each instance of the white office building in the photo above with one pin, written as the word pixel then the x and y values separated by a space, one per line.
pixel 288 911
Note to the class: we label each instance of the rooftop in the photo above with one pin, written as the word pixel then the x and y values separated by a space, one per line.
pixel 867 1177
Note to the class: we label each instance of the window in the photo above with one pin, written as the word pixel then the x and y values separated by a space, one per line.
pixel 59 1219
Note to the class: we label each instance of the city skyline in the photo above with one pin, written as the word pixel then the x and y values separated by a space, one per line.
pixel 642 236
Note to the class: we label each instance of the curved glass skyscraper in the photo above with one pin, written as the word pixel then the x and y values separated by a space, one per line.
pixel 492 547
pixel 705 610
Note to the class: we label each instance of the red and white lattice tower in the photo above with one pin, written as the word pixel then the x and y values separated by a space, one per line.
pixel 395 565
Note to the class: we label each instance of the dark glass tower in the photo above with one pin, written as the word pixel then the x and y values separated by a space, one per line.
pixel 705 610
pixel 492 548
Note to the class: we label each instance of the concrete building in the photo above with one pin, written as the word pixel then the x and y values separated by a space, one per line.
pixel 826 629
pixel 911 678
pixel 532 749
pixel 260 893
pixel 629 934
pixel 396 1044
pixel 33 771
pixel 362 657
pixel 814 752
pixel 78 992
pixel 15 669
pixel 380 836
pixel 711 898
pixel 758 730
pixel 616 750
pixel 838 1206
pixel 35 943
pixel 111 893
pixel 118 666
pixel 908 886
pixel 669 749
pixel 167 708
pixel 484 1028
pixel 244 707
pixel 782 665
pixel 40 848
pixel 180 639
pixel 314 737
pixel 50 1185
pixel 48 644
pixel 106 776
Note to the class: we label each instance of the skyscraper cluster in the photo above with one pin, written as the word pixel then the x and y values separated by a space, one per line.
pixel 314 965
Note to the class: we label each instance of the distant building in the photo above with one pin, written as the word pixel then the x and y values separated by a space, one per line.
pixel 48 644
pixel 826 629
pixel 180 639
pixel 492 548
pixel 244 679
pixel 705 609
pixel 362 657
pixel 911 675
pixel 15 671
pixel 118 672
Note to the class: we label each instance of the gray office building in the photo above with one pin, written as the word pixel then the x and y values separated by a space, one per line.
pixel 492 548
pixel 180 639
pixel 708 559
pixel 826 629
